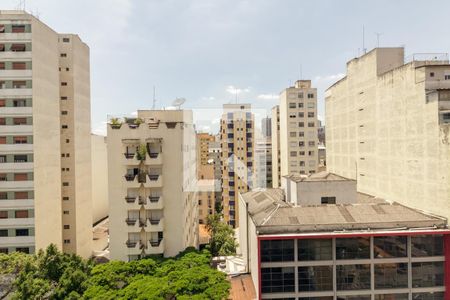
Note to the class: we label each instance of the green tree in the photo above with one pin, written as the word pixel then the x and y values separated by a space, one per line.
pixel 222 240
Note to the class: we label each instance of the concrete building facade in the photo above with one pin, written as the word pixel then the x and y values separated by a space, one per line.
pixel 237 138
pixel 276 160
pixel 263 163
pixel 99 156
pixel 266 127
pixel 388 127
pixel 45 157
pixel 153 208
pixel 298 129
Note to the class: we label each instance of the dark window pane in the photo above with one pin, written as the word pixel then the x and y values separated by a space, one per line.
pixel 21 232
pixel 427 245
pixel 314 249
pixel 277 280
pixel 362 297
pixel 427 274
pixel 428 296
pixel 392 297
pixel 390 246
pixel 277 250
pixel 353 248
pixel 315 278
pixel 316 298
pixel 353 277
pixel 392 275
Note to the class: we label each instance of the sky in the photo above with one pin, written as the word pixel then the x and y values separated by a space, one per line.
pixel 209 51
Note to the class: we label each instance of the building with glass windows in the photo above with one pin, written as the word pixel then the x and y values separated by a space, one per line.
pixel 370 249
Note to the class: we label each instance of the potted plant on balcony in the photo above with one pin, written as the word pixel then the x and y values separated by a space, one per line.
pixel 140 155
pixel 115 123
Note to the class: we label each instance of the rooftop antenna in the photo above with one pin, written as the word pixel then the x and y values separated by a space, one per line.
pixel 178 102
pixel 154 98
pixel 378 38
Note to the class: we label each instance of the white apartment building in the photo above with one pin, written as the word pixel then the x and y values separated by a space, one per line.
pixel 45 158
pixel 153 208
pixel 263 163
pixel 388 127
pixel 298 129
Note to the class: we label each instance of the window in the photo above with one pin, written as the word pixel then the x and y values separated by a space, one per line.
pixel 63 55
pixel 65 184
pixel 302 163
pixel 390 276
pixel 66 226
pixel 3 196
pixel 310 96
pixel 21 214
pixel 301 144
pixel 18 29
pixel 301 134
pixel 293 153
pixel 2 140
pixel 20 176
pixel 21 158
pixel 66 40
pixel 2 158
pixel 66 241
pixel 393 297
pixel 23 250
pixel 301 114
pixel 277 250
pixel 301 153
pixel 3 232
pixel 310 124
pixel 328 200
pixel 19 65
pixel 20 140
pixel 2 65
pixel 19 84
pixel 63 83
pixel 446 77
pixel 2 102
pixel 2 47
pixel 427 274
pixel 67 69
pixel 314 249
pixel 64 126
pixel 2 28
pixel 301 124
pixel 310 114
pixel 292 105
pixel 3 177
pixel 22 232
pixel 315 278
pixel 427 245
pixel 353 248
pixel 277 280
pixel 310 153
pixel 431 74
pixel 63 98
pixel 389 246
pixel 20 103
pixel 352 277
pixel 66 212
pixel 20 121
pixel 3 214
pixel 300 105
pixel 65 198
pixel 293 134
pixel 292 116
pixel 300 95
pixel 311 143
pixel 311 105
pixel 20 195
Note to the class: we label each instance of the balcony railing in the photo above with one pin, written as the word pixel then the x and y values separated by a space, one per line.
pixel 153 177
pixel 153 154
pixel 129 155
pixel 155 243
pixel 130 199
pixel 131 244
pixel 130 221
pixel 153 199
pixel 154 221
pixel 130 177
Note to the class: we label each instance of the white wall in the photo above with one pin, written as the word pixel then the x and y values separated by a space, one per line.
pixel 99 178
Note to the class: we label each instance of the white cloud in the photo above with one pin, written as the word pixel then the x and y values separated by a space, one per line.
pixel 100 129
pixel 235 90
pixel 328 78
pixel 268 97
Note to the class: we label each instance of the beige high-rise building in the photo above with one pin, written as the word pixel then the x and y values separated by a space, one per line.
pixel 298 129
pixel 388 127
pixel 153 208
pixel 276 162
pixel 205 176
pixel 205 169
pixel 45 158
pixel 237 137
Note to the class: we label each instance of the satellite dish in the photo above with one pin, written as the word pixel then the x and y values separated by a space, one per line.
pixel 178 102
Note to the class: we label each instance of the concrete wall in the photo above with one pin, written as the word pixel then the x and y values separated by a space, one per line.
pixel 311 192
pixel 382 131
pixel 276 178
pixel 99 178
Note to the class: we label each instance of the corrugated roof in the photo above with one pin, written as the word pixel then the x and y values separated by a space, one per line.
pixel 320 176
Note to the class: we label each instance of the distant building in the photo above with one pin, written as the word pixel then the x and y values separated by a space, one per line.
pixel 367 249
pixel 276 160
pixel 263 163
pixel 215 156
pixel 237 138
pixel 298 129
pixel 205 169
pixel 45 151
pixel 99 154
pixel 388 127
pixel 152 184
pixel 266 127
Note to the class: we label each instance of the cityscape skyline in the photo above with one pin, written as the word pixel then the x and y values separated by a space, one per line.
pixel 231 45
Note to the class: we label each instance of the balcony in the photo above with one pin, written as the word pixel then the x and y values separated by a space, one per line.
pixel 16 73
pixel 155 247
pixel 134 247
pixel 130 221
pixel 131 244
pixel 16 92
pixel 130 177
pixel 16 129
pixel 129 155
pixel 130 199
pixel 155 225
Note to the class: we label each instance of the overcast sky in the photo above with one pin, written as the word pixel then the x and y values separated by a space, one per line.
pixel 207 50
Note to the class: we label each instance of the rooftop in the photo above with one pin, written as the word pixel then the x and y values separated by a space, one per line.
pixel 272 215
pixel 320 176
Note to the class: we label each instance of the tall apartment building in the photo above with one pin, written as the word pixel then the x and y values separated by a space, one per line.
pixel 45 155
pixel 152 177
pixel 266 127
pixel 237 137
pixel 298 129
pixel 276 161
pixel 205 170
pixel 388 127
pixel 263 163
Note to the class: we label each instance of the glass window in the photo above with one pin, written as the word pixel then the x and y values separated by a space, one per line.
pixel 22 232
pixel 315 278
pixel 427 274
pixel 428 296
pixel 390 246
pixel 392 297
pixel 277 280
pixel 391 275
pixel 353 248
pixel 427 245
pixel 316 298
pixel 314 249
pixel 292 105
pixel 277 250
pixel 3 232
pixel 353 277
pixel 362 297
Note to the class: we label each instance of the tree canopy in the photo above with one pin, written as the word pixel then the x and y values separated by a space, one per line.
pixel 51 274
pixel 222 242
